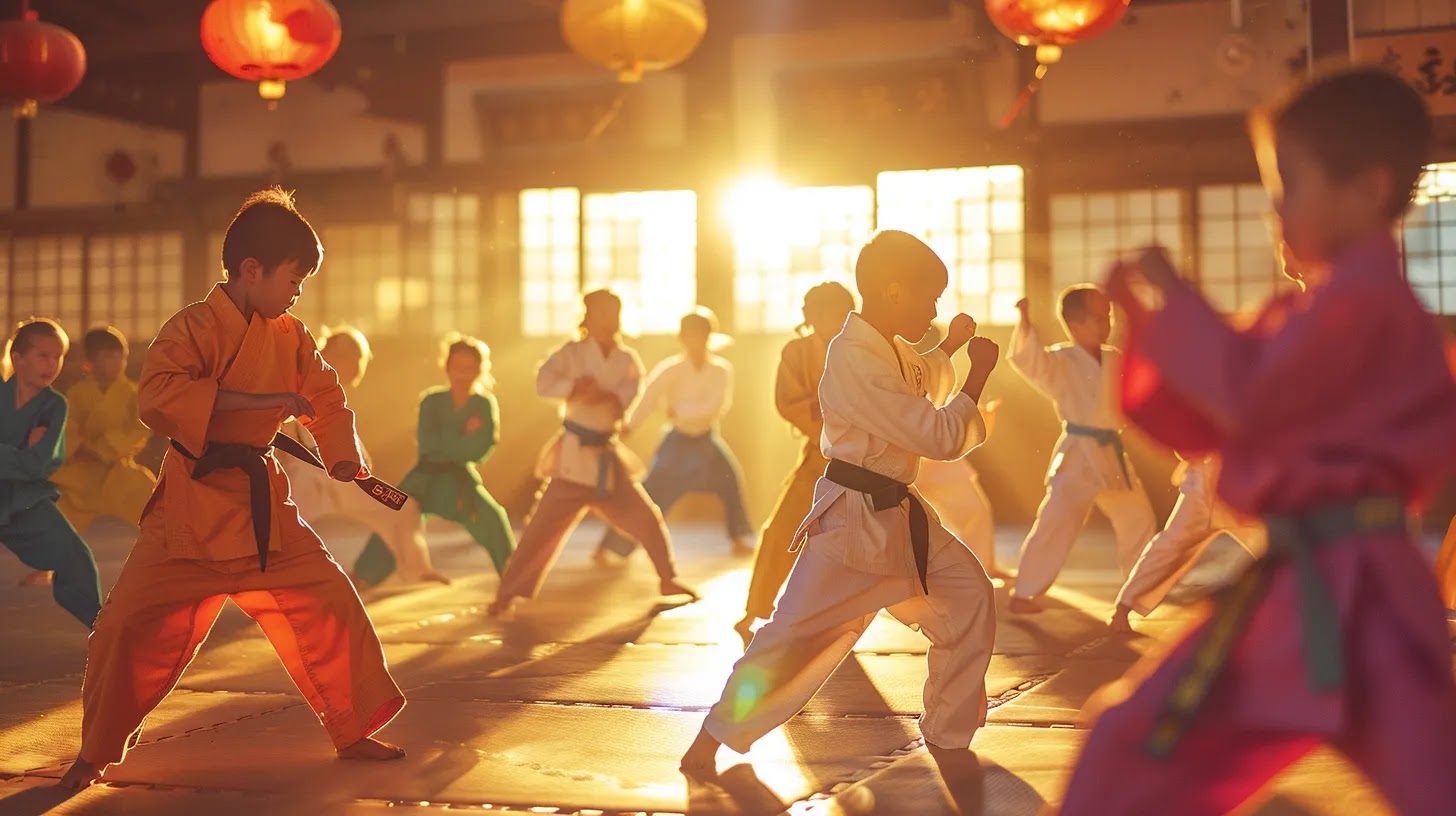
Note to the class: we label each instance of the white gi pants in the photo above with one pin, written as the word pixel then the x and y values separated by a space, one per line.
pixel 1070 496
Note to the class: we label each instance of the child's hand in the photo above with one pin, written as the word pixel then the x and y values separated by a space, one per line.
pixel 1157 267
pixel 293 405
pixel 348 472
pixel 586 390
pixel 472 424
pixel 962 328
pixel 983 353
pixel 36 435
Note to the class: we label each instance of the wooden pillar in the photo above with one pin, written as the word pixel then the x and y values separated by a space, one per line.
pixel 709 129
pixel 1329 31
pixel 22 163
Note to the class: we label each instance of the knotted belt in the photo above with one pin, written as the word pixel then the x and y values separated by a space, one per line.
pixel 254 462
pixel 885 493
pixel 595 439
pixel 1294 539
pixel 1105 437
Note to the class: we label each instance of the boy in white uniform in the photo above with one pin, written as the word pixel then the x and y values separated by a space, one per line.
pixel 1197 519
pixel 871 543
pixel 1089 466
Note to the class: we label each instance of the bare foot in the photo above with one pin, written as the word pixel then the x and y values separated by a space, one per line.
pixel 39 578
pixel 671 586
pixel 372 749
pixel 1119 623
pixel 701 760
pixel 742 548
pixel 80 775
pixel 744 628
pixel 435 578
pixel 1023 606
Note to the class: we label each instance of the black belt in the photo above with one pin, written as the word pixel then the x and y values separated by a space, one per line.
pixel 1293 539
pixel 254 462
pixel 885 493
pixel 594 439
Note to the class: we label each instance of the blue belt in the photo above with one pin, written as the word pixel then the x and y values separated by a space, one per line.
pixel 595 439
pixel 1103 437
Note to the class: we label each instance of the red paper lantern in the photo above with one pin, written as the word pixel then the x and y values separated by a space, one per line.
pixel 1049 25
pixel 40 63
pixel 270 41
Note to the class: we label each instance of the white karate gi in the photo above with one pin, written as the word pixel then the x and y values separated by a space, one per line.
pixel 1083 472
pixel 858 561
pixel 572 471
pixel 318 496
pixel 1197 519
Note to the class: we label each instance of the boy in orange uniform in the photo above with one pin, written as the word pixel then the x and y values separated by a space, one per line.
pixel 220 379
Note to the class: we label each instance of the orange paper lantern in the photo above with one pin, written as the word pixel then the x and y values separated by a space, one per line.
pixel 270 41
pixel 632 36
pixel 40 63
pixel 1049 25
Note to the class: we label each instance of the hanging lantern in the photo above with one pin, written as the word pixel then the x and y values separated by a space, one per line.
pixel 270 41
pixel 633 36
pixel 1049 25
pixel 40 63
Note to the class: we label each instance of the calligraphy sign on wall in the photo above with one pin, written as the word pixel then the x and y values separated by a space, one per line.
pixel 855 107
pixel 1425 59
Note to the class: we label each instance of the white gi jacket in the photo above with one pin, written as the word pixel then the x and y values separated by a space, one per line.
pixel 619 371
pixel 879 405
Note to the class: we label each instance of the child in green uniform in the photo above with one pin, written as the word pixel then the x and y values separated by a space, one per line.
pixel 459 426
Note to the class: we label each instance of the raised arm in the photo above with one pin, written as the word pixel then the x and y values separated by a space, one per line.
pixel 1032 359
pixel 880 402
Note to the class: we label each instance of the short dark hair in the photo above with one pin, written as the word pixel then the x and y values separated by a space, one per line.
pixel 269 228
pixel 888 256
pixel 105 338
pixel 1354 119
pixel 700 318
pixel 1075 301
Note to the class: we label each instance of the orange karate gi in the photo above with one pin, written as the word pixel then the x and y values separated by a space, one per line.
pixel 197 546
pixel 100 476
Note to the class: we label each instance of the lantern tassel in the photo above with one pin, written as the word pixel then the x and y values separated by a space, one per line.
pixel 1024 98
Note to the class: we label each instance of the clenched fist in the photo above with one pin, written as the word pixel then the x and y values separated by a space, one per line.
pixel 962 328
pixel 983 353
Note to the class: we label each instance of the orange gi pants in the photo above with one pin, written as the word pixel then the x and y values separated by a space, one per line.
pixel 161 609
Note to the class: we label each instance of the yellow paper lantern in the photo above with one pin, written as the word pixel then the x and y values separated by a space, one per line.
pixel 633 36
